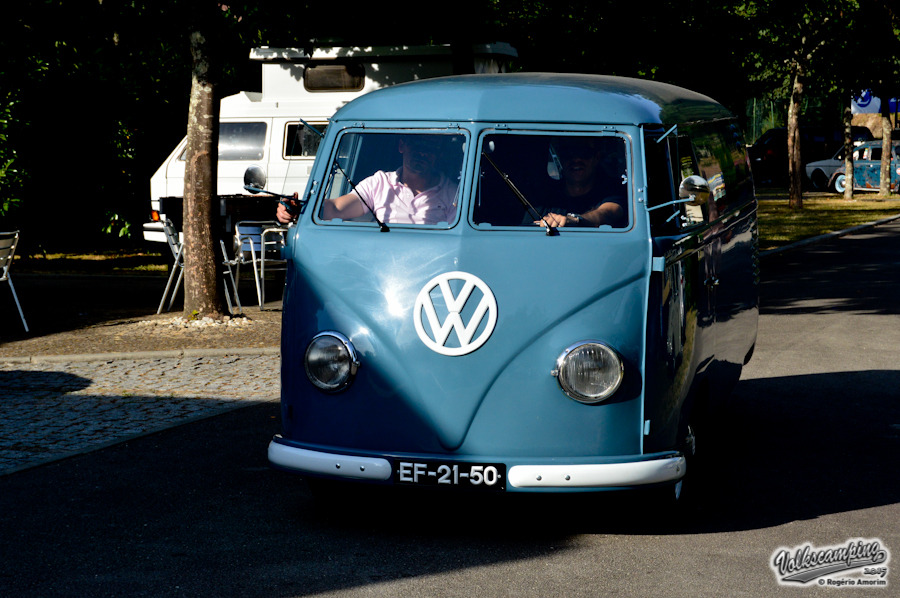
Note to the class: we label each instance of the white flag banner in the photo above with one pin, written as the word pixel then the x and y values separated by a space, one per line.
pixel 865 103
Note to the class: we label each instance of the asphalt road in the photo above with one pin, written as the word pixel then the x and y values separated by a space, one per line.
pixel 810 456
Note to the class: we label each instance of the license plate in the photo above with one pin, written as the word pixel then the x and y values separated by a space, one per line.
pixel 475 476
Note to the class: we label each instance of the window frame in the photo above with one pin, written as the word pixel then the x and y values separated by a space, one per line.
pixel 335 154
pixel 609 131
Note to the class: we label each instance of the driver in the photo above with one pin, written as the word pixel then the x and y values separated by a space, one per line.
pixel 589 193
pixel 416 193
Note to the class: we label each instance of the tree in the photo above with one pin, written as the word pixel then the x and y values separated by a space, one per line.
pixel 848 149
pixel 883 21
pixel 202 293
pixel 784 51
pixel 867 57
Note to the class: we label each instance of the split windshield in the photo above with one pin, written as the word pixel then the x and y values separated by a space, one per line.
pixel 524 180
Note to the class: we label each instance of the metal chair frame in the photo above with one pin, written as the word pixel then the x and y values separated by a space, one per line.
pixel 228 264
pixel 260 239
pixel 173 239
pixel 8 242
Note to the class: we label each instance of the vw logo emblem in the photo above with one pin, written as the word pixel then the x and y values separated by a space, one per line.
pixel 457 295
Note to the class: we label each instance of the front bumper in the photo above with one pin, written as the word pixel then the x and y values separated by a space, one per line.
pixel 623 472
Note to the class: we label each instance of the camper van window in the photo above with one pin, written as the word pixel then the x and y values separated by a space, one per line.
pixel 240 141
pixel 334 77
pixel 300 142
pixel 574 181
pixel 402 178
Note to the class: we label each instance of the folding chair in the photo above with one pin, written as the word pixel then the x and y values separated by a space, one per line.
pixel 228 263
pixel 174 240
pixel 259 243
pixel 8 242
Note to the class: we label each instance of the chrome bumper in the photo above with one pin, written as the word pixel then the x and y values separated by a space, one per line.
pixel 667 467
pixel 319 463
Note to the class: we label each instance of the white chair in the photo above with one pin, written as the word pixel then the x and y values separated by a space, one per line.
pixel 8 242
pixel 260 244
pixel 173 238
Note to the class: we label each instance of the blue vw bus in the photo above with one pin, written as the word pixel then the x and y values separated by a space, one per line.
pixel 517 283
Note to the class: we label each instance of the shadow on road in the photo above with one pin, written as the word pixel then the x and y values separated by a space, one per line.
pixel 197 508
pixel 807 446
pixel 196 511
pixel 858 273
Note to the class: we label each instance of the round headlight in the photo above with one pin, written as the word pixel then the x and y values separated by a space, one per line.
pixel 589 371
pixel 331 361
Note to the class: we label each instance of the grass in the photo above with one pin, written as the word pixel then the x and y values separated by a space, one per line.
pixel 99 262
pixel 822 213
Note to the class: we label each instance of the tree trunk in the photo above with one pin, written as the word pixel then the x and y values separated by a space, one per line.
pixel 848 152
pixel 884 189
pixel 202 295
pixel 795 169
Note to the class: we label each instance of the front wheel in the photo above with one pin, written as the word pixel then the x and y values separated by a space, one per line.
pixel 840 183
pixel 819 180
pixel 668 502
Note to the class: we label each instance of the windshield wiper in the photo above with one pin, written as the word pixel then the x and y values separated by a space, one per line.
pixel 384 227
pixel 551 230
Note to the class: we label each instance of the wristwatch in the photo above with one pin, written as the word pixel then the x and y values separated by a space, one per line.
pixel 575 217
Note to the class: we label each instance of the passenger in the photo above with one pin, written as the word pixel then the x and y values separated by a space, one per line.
pixel 416 193
pixel 589 193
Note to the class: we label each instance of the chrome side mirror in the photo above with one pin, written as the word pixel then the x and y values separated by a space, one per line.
pixel 694 189
pixel 254 179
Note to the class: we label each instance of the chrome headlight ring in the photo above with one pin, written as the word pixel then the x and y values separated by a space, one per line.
pixel 589 371
pixel 331 361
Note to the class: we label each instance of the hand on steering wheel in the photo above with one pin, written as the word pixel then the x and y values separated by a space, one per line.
pixel 554 220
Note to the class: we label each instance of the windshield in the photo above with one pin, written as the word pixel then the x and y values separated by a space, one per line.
pixel 577 181
pixel 395 178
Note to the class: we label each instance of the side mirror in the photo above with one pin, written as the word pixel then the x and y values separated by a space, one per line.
pixel 695 189
pixel 254 179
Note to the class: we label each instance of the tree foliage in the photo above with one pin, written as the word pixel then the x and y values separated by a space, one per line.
pixel 94 93
pixel 787 43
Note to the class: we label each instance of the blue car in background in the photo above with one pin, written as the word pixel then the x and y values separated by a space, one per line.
pixel 867 169
pixel 821 173
pixel 818 145
pixel 464 312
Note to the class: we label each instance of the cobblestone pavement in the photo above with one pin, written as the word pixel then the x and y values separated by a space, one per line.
pixel 52 409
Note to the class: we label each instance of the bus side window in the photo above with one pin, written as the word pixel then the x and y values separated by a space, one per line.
pixel 689 160
pixel 664 221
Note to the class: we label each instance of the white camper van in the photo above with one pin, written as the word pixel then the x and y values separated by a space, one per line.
pixel 263 129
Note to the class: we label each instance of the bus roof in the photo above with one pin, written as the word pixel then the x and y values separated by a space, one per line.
pixel 535 97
